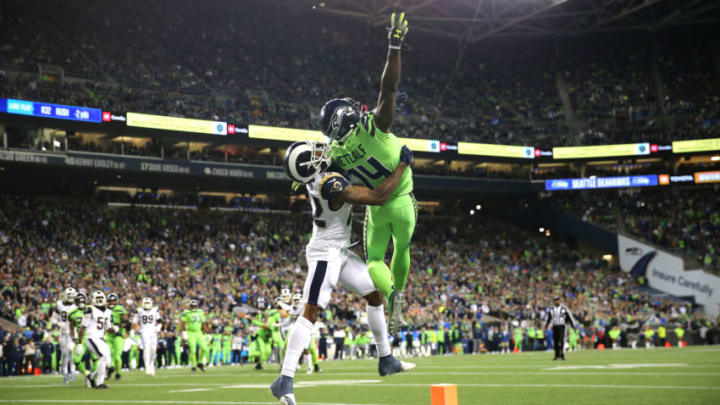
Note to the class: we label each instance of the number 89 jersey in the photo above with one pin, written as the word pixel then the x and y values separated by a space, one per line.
pixel 329 225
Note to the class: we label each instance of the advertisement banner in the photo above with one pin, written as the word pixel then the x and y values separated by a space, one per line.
pixel 707 177
pixel 665 272
pixel 599 151
pixel 696 145
pixel 297 135
pixel 48 110
pixel 176 124
pixel 489 149
pixel 601 182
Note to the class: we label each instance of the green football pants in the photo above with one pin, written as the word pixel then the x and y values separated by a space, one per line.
pixel 116 344
pixel 395 219
pixel 197 340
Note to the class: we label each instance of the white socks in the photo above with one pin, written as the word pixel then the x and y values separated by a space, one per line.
pixel 376 321
pixel 297 342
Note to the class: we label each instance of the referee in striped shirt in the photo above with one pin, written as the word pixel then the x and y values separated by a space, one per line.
pixel 558 316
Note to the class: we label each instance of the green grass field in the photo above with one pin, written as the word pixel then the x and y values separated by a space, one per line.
pixel 656 376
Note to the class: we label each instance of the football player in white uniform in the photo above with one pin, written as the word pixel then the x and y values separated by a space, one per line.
pixel 328 255
pixel 149 322
pixel 60 316
pixel 96 321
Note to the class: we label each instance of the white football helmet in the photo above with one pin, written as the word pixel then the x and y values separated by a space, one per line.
pixel 285 295
pixel 147 303
pixel 98 299
pixel 296 300
pixel 305 160
pixel 68 296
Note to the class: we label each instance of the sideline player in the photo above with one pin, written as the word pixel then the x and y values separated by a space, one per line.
pixel 329 259
pixel 364 147
pixel 147 320
pixel 61 317
pixel 96 321
pixel 192 328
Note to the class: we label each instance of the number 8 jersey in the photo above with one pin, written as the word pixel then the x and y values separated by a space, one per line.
pixel 96 322
pixel 329 227
pixel 371 155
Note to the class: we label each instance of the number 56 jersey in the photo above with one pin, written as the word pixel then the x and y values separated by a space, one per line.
pixel 331 228
pixel 96 322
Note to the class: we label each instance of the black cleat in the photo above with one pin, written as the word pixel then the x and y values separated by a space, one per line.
pixel 258 366
pixel 282 389
pixel 201 367
pixel 389 365
pixel 317 368
pixel 102 387
pixel 89 381
pixel 117 376
pixel 110 372
pixel 194 370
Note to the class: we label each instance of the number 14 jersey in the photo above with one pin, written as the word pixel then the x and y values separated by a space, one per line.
pixel 371 156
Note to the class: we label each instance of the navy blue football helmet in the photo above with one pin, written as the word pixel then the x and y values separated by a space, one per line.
pixel 338 118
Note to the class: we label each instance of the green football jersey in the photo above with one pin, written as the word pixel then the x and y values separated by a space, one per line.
pixel 371 156
pixel 117 313
pixel 76 317
pixel 193 320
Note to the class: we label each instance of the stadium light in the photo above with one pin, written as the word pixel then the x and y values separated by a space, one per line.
pixel 472 212
pixel 715 158
pixel 607 258
pixel 478 207
pixel 541 230
pixel 547 233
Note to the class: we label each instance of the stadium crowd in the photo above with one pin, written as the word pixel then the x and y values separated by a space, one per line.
pixel 465 294
pixel 685 220
pixel 169 63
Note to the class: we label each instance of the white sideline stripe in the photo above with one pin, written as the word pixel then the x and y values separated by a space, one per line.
pixel 108 401
pixel 194 390
pixel 598 386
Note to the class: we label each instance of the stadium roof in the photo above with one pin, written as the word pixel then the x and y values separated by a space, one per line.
pixel 476 20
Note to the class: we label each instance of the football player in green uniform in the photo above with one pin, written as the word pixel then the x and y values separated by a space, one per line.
pixel 227 343
pixel 76 318
pixel 364 147
pixel 116 335
pixel 192 329
pixel 262 342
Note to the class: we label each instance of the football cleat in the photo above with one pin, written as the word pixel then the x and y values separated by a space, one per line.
pixel 317 368
pixel 282 389
pixel 65 379
pixel 201 367
pixel 89 381
pixel 117 376
pixel 101 387
pixel 389 365
pixel 395 304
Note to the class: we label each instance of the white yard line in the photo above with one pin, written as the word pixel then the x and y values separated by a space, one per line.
pixel 108 401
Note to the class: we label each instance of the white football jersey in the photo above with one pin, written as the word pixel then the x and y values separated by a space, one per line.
pixel 62 317
pixel 147 319
pixel 96 322
pixel 329 225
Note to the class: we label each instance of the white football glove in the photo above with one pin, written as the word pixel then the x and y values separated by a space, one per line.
pixel 79 349
pixel 71 345
pixel 184 335
pixel 115 328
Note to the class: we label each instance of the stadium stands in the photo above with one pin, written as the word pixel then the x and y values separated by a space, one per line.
pixel 241 258
pixel 145 59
